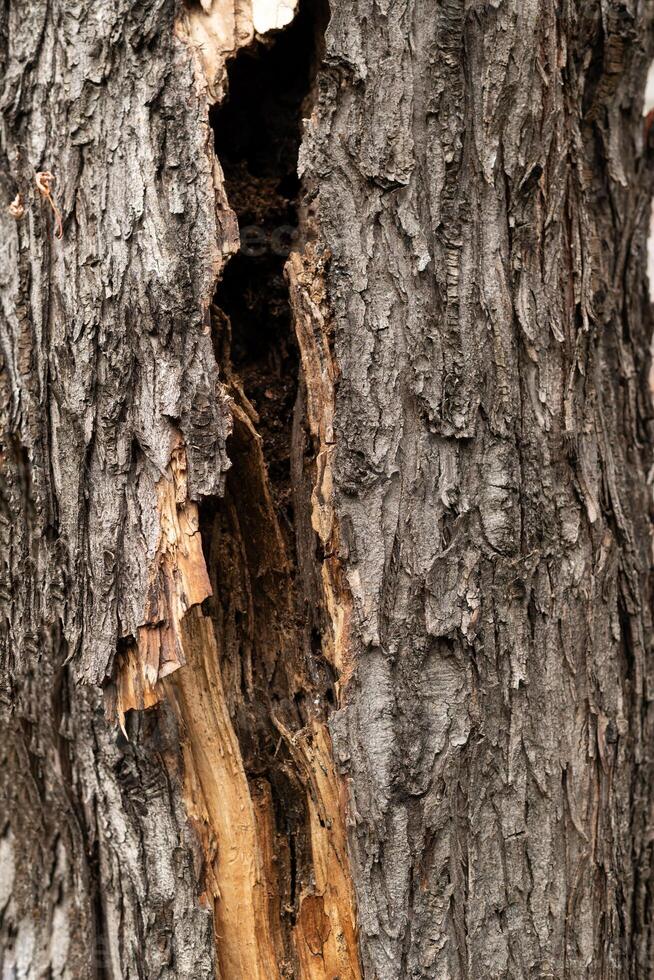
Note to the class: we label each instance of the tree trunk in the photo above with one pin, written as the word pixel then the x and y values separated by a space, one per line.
pixel 325 581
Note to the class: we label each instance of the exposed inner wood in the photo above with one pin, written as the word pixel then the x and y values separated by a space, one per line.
pixel 178 581
pixel 216 29
pixel 220 804
pixel 246 630
pixel 274 638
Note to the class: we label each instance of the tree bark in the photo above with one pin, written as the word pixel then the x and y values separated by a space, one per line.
pixel 325 519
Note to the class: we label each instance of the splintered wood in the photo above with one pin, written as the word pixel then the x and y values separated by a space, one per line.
pixel 178 581
pixel 177 656
pixel 325 934
pixel 218 798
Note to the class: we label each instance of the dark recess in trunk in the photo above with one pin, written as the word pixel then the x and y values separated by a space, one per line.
pixel 264 612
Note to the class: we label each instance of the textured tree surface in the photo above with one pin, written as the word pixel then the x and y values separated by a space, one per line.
pixel 325 546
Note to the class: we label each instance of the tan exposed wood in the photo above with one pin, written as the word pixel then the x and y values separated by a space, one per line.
pixel 244 941
pixel 178 581
pixel 234 819
pixel 216 788
pixel 325 934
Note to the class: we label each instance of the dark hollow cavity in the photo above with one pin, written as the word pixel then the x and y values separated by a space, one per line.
pixel 258 129
pixel 266 614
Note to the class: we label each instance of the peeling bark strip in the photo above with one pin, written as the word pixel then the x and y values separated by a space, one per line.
pixel 179 581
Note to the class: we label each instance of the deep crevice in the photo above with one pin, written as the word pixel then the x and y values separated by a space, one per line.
pixel 266 609
pixel 257 138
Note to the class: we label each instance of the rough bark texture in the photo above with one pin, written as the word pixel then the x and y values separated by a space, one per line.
pixel 352 541
pixel 482 190
pixel 105 357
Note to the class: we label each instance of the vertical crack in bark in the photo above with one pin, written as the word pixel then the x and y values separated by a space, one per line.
pixel 260 673
pixel 246 620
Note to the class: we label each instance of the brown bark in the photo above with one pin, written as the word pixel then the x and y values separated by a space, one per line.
pixel 326 596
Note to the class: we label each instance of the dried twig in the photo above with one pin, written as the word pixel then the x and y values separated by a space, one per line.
pixel 43 181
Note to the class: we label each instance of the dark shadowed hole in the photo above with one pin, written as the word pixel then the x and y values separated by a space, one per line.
pixel 257 604
pixel 257 137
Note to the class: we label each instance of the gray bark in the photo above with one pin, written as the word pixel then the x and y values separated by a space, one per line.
pixel 484 194
pixel 102 344
pixel 469 536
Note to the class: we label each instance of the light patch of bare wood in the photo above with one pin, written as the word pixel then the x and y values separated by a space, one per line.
pixel 325 935
pixel 178 581
pixel 272 15
pixel 215 30
pixel 218 800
